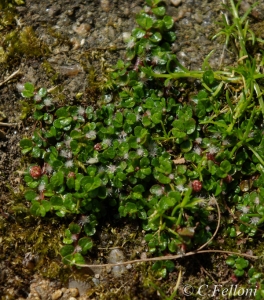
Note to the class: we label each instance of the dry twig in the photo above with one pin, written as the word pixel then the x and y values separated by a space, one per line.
pixel 17 72
pixel 8 124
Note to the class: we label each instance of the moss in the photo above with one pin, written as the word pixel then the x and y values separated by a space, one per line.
pixel 7 17
pixel 42 238
pixel 59 37
pixel 49 70
pixel 21 42
pixel 25 108
pixel 5 4
pixel 95 85
pixel 27 43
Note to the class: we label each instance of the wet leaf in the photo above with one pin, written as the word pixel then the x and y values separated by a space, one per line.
pixel 86 244
pixel 156 37
pixel 241 263
pixel 62 112
pixel 42 92
pixel 166 202
pixel 74 228
pixel 144 20
pixel 168 21
pixel 230 261
pixel 66 250
pixel 138 33
pixel 57 179
pixel 159 11
pixel 30 195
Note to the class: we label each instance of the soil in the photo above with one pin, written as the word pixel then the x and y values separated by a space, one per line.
pixel 67 47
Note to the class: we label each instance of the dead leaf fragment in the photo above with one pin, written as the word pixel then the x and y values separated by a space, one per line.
pixel 179 161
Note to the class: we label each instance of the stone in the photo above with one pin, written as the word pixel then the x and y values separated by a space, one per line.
pixel 176 2
pixel 56 295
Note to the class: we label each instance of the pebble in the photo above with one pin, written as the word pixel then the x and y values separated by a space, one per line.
pixel 105 5
pixel 116 256
pixel 70 70
pixel 135 10
pixel 118 271
pixel 198 18
pixel 82 30
pixel 245 6
pixel 45 289
pixel 176 2
pixel 96 281
pixel 75 43
pixel 73 292
pixel 69 293
pixel 110 32
pixel 53 11
pixel 56 295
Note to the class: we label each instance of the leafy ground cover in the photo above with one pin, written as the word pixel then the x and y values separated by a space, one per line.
pixel 178 160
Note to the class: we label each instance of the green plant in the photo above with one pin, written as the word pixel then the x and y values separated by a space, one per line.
pixel 239 264
pixel 254 276
pixel 175 289
pixel 105 154
pixel 149 155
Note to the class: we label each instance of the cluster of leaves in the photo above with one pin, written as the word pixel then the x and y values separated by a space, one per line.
pixel 219 134
pixel 91 159
pixel 239 264
pixel 150 153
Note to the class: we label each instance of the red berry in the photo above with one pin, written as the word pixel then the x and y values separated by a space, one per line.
pixel 228 178
pixel 210 156
pixel 197 185
pixel 97 147
pixel 35 172
pixel 71 175
pixel 234 278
